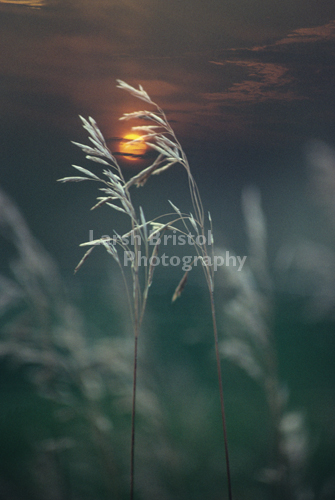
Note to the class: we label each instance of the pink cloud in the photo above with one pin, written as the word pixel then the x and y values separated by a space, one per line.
pixel 265 81
pixel 303 35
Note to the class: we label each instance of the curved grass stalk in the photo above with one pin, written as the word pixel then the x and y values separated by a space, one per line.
pixel 160 137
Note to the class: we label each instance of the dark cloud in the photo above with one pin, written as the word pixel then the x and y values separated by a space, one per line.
pixel 297 69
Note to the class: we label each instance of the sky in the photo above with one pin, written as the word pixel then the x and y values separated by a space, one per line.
pixel 245 84
pixel 224 70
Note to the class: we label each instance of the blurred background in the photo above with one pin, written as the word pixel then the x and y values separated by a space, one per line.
pixel 249 91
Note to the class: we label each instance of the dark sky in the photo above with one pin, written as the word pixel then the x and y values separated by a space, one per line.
pixel 245 84
pixel 224 70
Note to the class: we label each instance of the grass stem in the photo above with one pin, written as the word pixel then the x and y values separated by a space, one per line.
pixel 133 415
pixel 223 413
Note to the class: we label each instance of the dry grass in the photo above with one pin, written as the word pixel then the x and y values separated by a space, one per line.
pixel 44 338
pixel 159 136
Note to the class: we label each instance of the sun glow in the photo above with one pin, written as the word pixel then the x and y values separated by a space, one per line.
pixel 36 4
pixel 132 146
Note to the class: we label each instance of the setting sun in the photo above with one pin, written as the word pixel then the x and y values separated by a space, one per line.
pixel 132 150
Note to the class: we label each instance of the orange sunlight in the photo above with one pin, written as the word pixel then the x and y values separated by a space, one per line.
pixel 132 147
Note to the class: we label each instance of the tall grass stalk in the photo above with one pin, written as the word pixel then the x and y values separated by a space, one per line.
pixel 159 136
